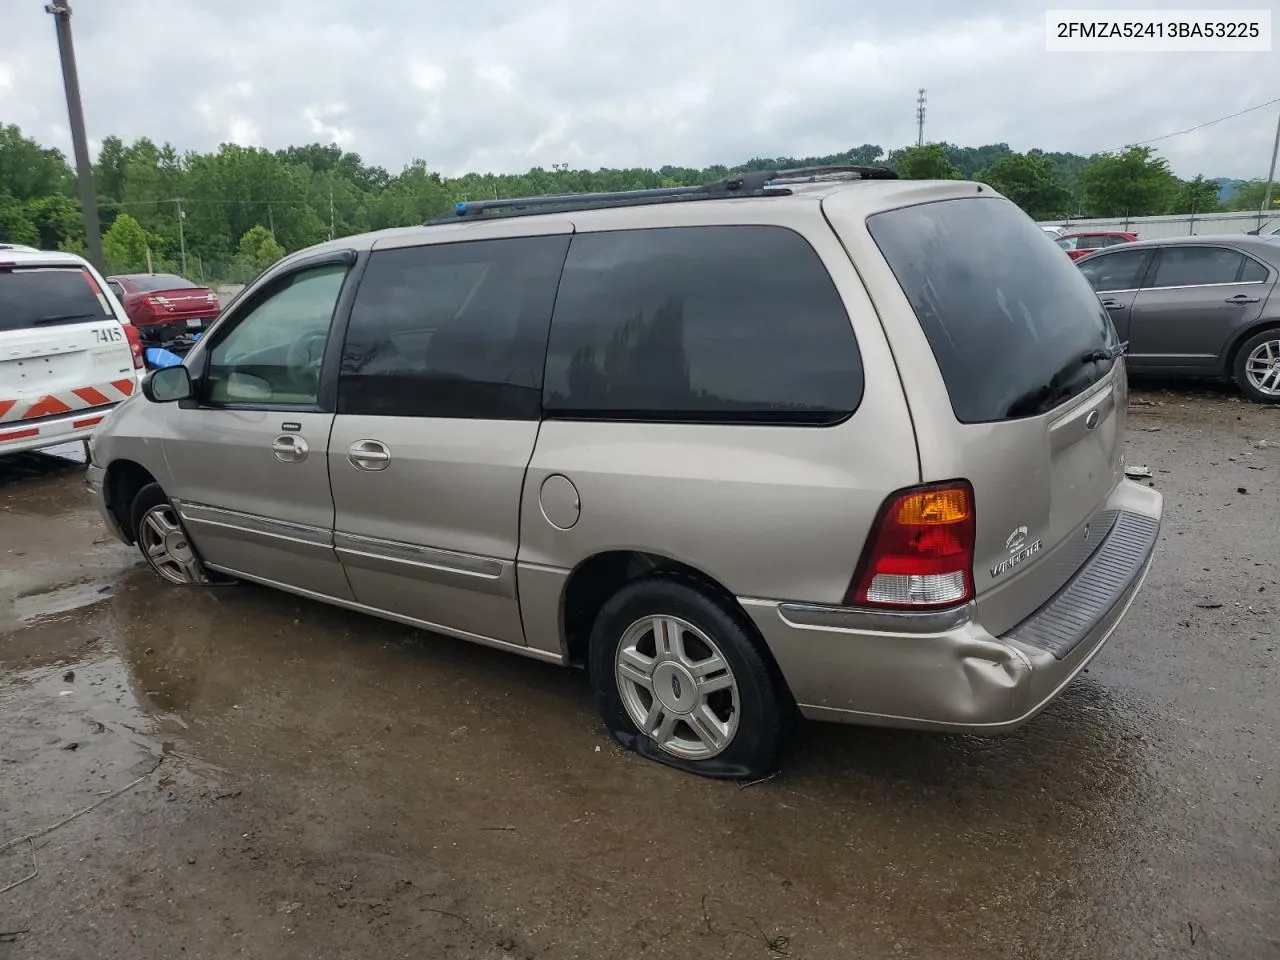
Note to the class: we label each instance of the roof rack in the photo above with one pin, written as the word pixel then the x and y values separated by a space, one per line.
pixel 752 183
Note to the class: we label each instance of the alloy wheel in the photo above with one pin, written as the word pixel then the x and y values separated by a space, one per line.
pixel 677 687
pixel 166 547
pixel 1262 367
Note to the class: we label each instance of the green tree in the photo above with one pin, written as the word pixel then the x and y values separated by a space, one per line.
pixel 15 225
pixel 1132 183
pixel 29 171
pixel 1029 181
pixel 1196 195
pixel 929 162
pixel 1250 195
pixel 259 248
pixel 125 245
pixel 56 218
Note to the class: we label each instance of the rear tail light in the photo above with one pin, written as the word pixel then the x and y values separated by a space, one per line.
pixel 135 344
pixel 920 554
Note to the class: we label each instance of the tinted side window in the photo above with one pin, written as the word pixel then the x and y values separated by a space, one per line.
pixel 1121 270
pixel 273 352
pixel 1191 266
pixel 452 330
pixel 701 324
pixel 1253 271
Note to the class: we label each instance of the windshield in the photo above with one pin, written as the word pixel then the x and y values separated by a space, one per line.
pixel 1014 326
pixel 49 296
pixel 160 281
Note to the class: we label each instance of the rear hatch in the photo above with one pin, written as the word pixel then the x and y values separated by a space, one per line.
pixel 1018 387
pixel 61 347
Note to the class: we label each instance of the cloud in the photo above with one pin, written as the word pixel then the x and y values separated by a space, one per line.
pixel 502 85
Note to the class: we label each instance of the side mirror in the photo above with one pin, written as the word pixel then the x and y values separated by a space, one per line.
pixel 167 385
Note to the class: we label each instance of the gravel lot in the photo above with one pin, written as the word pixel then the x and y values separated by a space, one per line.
pixel 268 777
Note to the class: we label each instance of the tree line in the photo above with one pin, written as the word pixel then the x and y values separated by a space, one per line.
pixel 238 209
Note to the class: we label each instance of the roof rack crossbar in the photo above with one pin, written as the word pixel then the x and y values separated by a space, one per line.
pixel 864 172
pixel 752 183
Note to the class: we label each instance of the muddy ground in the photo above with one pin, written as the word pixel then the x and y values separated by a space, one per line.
pixel 274 778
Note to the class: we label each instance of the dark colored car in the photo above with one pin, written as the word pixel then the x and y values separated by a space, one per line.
pixel 1080 245
pixel 1198 306
pixel 166 308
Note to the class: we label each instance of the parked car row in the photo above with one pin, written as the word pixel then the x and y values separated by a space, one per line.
pixel 1196 306
pixel 73 345
pixel 68 353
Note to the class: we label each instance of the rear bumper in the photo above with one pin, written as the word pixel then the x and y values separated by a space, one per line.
pixel 945 671
pixel 19 436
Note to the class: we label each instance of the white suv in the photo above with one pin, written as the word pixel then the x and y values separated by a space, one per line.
pixel 68 353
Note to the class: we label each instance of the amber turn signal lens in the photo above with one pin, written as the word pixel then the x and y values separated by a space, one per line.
pixel 931 507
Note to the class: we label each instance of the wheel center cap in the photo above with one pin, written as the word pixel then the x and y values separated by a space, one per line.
pixel 176 545
pixel 674 687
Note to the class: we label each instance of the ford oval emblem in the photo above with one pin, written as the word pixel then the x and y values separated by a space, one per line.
pixel 675 686
pixel 1092 419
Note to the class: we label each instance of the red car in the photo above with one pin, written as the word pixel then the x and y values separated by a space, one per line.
pixel 1079 244
pixel 165 308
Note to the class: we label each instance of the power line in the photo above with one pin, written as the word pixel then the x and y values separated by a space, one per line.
pixel 1198 126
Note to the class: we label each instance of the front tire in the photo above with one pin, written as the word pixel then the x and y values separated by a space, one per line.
pixel 1257 367
pixel 162 541
pixel 682 679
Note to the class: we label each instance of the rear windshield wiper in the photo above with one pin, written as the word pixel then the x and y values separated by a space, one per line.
pixel 1045 397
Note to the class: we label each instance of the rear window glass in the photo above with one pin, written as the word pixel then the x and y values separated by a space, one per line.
pixel 160 281
pixel 1014 326
pixel 49 296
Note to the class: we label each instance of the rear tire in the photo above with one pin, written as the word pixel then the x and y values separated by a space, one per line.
pixel 162 541
pixel 1257 367
pixel 682 680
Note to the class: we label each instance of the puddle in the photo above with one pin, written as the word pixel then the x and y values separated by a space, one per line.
pixel 49 603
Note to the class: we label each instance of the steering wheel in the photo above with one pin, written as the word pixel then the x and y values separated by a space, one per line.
pixel 306 353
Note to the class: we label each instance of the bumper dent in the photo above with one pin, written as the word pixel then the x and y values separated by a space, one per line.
pixel 843 667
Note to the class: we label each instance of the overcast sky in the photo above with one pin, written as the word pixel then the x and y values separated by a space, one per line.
pixel 503 85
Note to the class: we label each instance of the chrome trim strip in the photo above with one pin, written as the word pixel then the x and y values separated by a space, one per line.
pixel 1188 286
pixel 303 533
pixel 824 617
pixel 531 652
pixel 429 558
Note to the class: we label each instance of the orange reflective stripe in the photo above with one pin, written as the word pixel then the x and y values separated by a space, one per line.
pixel 124 386
pixel 46 407
pixel 95 398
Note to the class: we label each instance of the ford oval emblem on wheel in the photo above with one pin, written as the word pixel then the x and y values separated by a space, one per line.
pixel 1092 419
pixel 675 686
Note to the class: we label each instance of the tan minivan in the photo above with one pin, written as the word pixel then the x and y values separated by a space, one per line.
pixel 788 443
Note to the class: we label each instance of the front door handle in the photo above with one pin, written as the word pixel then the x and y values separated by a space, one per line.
pixel 1113 304
pixel 1241 299
pixel 369 455
pixel 289 448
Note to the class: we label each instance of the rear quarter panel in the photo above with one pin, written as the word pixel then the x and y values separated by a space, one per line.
pixel 771 512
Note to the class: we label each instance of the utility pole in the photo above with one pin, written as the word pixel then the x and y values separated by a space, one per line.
pixel 271 222
pixel 1271 176
pixel 330 211
pixel 61 11
pixel 182 237
pixel 920 101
